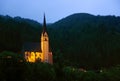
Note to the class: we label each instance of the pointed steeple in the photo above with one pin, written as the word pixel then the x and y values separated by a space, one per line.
pixel 44 24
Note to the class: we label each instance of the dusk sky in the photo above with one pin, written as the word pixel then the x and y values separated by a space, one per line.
pixel 57 9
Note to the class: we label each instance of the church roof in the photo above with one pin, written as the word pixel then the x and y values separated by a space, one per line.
pixel 44 25
pixel 30 46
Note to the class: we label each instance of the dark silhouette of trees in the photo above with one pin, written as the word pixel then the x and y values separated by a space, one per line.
pixel 80 40
pixel 13 67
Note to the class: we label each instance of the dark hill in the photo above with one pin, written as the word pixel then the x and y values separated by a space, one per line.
pixel 80 39
pixel 79 19
pixel 75 19
pixel 15 31
pixel 88 40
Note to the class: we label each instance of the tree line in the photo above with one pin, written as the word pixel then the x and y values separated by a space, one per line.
pixel 13 67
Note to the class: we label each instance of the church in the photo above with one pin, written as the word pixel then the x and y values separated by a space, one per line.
pixel 36 52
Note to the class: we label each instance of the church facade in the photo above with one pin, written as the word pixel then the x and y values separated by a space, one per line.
pixel 34 52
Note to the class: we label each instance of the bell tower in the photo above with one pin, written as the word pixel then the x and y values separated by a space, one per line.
pixel 45 42
pixel 35 54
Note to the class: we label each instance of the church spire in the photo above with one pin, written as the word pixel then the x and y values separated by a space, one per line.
pixel 44 24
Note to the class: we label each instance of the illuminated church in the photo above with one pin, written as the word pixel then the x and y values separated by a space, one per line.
pixel 36 52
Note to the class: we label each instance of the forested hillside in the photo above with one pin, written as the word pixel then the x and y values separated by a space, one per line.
pixel 89 40
pixel 15 31
pixel 81 40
